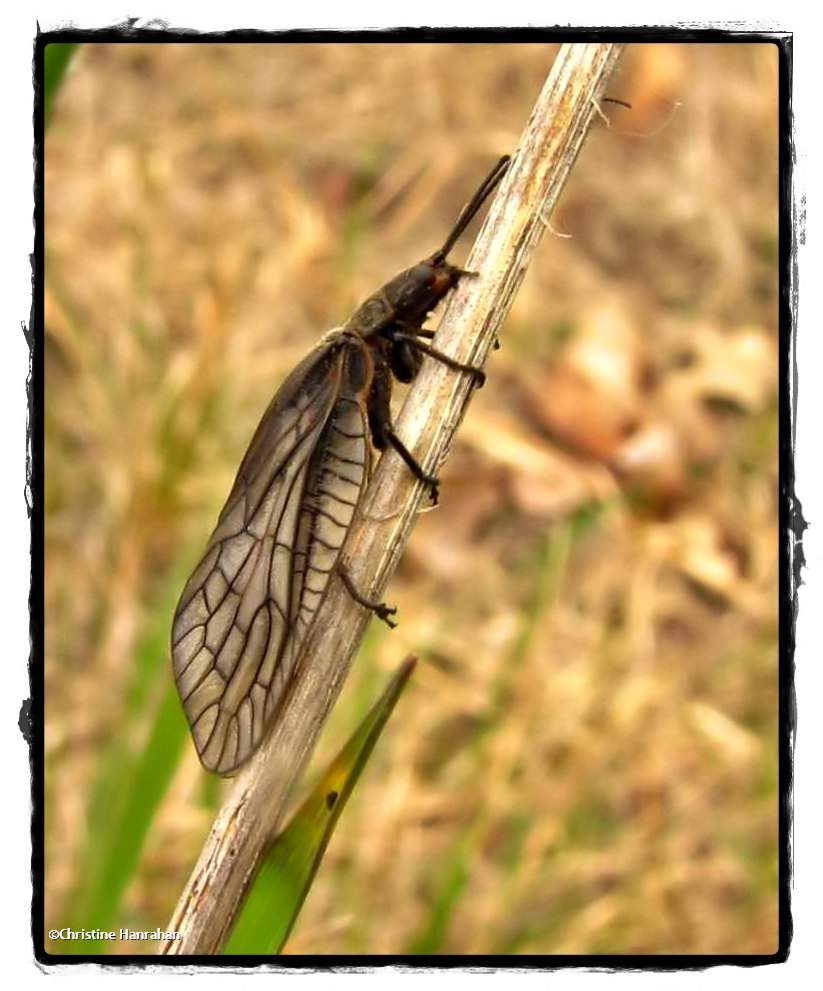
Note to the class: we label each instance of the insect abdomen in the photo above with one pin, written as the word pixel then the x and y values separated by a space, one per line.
pixel 336 478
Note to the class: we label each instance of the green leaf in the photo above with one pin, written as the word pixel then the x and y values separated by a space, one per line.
pixel 289 865
pixel 56 58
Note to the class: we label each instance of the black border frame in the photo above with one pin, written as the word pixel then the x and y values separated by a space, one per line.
pixel 790 519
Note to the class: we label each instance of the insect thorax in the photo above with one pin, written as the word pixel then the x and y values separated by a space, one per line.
pixel 372 316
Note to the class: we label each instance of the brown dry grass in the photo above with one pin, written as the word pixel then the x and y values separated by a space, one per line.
pixel 586 759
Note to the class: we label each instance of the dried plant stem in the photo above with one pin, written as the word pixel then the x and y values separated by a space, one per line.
pixel 429 418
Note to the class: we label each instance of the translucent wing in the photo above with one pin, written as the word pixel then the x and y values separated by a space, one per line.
pixel 245 611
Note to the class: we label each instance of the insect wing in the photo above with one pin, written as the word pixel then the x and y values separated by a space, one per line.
pixel 246 608
pixel 336 478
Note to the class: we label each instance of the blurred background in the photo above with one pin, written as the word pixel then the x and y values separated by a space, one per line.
pixel 585 760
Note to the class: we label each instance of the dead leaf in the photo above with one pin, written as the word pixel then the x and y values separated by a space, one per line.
pixel 738 368
pixel 653 460
pixel 591 399
pixel 540 479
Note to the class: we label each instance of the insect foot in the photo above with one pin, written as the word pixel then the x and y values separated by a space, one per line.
pixel 380 609
pixel 384 612
pixel 434 487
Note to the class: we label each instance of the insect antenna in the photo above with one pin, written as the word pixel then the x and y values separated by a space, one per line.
pixel 471 208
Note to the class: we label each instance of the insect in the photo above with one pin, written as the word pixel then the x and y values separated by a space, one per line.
pixel 247 607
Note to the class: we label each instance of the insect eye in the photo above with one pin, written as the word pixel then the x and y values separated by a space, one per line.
pixel 423 273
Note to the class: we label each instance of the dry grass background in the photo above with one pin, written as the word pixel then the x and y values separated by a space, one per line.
pixel 585 761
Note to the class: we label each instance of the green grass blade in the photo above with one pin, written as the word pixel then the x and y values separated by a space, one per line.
pixel 550 570
pixel 144 782
pixel 130 786
pixel 289 866
pixel 452 884
pixel 56 58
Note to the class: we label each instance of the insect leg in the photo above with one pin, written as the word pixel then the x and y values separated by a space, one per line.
pixel 429 480
pixel 379 410
pixel 380 609
pixel 458 366
pixel 429 334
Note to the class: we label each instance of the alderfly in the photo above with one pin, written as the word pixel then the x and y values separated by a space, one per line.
pixel 246 609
